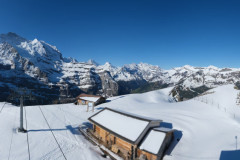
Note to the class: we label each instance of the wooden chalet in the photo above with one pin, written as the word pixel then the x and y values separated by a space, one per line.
pixel 123 133
pixel 90 100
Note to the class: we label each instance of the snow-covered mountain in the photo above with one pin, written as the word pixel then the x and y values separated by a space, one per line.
pixel 191 81
pixel 40 66
pixel 188 81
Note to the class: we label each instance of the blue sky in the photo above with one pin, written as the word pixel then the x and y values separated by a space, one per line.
pixel 168 33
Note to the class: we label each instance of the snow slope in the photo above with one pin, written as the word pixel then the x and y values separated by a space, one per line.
pixel 205 131
pixel 224 98
pixel 62 120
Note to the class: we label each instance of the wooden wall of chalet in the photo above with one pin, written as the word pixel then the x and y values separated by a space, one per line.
pixel 150 156
pixel 124 149
pixel 117 145
pixel 80 102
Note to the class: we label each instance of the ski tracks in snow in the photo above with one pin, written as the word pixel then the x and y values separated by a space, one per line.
pixel 2 107
pixel 53 134
pixel 67 133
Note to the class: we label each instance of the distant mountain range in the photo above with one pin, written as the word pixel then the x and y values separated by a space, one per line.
pixel 39 66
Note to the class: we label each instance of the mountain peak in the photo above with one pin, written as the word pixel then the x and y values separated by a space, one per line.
pixel 12 38
pixel 213 67
pixel 35 41
pixel 91 61
pixel 107 64
pixel 12 34
pixel 187 66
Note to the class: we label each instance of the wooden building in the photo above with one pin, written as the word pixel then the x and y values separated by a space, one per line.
pixel 90 100
pixel 123 133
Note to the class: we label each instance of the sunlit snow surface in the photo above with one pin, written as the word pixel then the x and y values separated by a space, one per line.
pixel 63 120
pixel 207 129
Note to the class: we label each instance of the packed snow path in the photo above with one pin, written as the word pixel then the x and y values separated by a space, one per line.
pixel 13 146
pixel 2 107
pixel 205 132
pixel 52 134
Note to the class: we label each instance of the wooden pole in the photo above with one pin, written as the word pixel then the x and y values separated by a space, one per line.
pixel 236 141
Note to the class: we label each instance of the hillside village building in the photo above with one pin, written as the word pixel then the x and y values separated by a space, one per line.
pixel 90 100
pixel 130 136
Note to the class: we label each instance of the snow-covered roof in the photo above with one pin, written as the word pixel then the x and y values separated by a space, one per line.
pixel 122 124
pixel 136 115
pixel 92 99
pixel 153 141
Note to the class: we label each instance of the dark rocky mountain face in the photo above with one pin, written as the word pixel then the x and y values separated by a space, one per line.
pixel 39 66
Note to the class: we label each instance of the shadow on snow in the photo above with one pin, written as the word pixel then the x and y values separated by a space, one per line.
pixel 176 138
pixel 73 130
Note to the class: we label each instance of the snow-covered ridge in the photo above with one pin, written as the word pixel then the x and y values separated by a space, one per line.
pixel 45 64
pixel 188 76
pixel 210 76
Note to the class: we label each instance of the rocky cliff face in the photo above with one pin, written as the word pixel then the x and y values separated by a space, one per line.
pixel 41 67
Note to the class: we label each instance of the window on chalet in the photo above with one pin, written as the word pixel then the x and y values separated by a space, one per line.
pixel 83 102
pixel 114 140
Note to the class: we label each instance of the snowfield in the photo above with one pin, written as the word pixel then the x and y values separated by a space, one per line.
pixel 206 126
pixel 43 144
